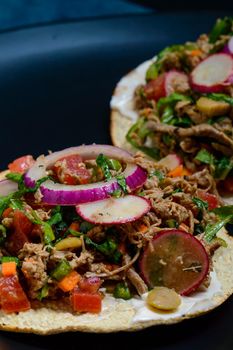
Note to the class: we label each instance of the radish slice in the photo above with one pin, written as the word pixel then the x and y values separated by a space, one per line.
pixel 7 187
pixel 173 79
pixel 171 161
pixel 114 210
pixel 213 73
pixel 228 48
pixel 175 259
pixel 60 194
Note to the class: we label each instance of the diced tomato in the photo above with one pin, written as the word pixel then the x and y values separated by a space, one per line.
pixel 228 184
pixel 155 89
pixel 90 285
pixel 71 170
pixel 7 213
pixel 22 227
pixel 211 199
pixel 22 164
pixel 86 302
pixel 12 296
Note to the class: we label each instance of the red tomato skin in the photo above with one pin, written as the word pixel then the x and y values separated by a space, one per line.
pixel 21 165
pixel 70 170
pixel 155 89
pixel 86 302
pixel 228 184
pixel 211 199
pixel 22 227
pixel 12 295
pixel 90 285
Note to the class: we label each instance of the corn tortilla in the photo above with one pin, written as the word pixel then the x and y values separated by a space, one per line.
pixel 117 316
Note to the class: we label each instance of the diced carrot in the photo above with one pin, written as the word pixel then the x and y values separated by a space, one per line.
pixel 75 226
pixel 183 227
pixel 176 172
pixel 179 171
pixel 86 302
pixel 69 281
pixel 143 228
pixel 9 268
pixel 186 172
pixel 7 213
pixel 196 52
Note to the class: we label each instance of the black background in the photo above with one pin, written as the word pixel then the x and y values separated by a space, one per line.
pixel 55 87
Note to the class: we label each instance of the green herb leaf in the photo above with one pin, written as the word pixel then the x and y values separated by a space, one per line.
pixel 102 162
pixel 221 27
pixel 172 223
pixel 201 205
pixel 223 212
pixel 221 98
pixel 223 167
pixel 122 183
pixel 212 230
pixel 107 248
pixel 205 157
pixel 116 193
pixel 114 164
pixel 55 219
pixel 2 234
pixel 159 174
pixel 137 135
pixel 86 226
pixel 171 100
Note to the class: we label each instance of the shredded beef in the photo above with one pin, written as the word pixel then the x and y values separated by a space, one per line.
pixel 34 266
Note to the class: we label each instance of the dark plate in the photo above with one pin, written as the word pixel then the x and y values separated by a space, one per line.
pixel 55 87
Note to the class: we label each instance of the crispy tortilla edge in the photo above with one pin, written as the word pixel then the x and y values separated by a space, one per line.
pixel 118 316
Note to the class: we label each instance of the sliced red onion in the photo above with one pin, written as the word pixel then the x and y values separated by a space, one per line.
pixel 60 194
pixel 87 152
pixel 7 187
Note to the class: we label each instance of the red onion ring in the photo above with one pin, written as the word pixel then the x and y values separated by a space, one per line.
pixel 60 194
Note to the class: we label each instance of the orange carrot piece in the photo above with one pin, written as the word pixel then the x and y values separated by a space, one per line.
pixel 176 172
pixel 75 226
pixel 179 171
pixel 69 281
pixel 142 228
pixel 8 268
pixel 196 52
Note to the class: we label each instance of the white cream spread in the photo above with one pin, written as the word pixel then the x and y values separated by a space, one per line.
pixel 123 96
pixel 197 302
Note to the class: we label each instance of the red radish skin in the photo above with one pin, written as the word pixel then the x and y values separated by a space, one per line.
pixel 174 78
pixel 168 270
pixel 171 161
pixel 213 73
pixel 114 210
pixel 165 84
